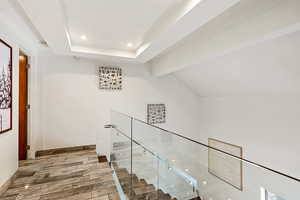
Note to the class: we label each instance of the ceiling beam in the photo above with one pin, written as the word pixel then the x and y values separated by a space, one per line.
pixel 47 17
pixel 179 23
pixel 245 24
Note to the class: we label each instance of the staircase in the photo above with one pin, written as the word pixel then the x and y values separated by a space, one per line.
pixel 141 189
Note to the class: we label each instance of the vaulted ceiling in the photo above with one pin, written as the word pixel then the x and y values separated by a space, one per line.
pixel 268 68
pixel 250 49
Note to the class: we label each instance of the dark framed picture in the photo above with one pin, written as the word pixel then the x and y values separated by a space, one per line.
pixel 5 87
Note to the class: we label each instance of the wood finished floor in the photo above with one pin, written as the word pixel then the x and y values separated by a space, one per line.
pixel 69 176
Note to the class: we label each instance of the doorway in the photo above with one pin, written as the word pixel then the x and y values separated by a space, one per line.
pixel 23 106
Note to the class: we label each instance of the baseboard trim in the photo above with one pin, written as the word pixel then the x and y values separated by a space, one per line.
pixel 64 150
pixel 5 186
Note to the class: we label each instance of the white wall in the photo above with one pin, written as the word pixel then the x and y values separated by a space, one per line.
pixel 9 140
pixel 74 111
pixel 250 97
pixel 19 39
pixel 266 127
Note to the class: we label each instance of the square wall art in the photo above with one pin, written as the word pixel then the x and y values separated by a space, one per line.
pixel 110 78
pixel 224 167
pixel 156 113
pixel 5 87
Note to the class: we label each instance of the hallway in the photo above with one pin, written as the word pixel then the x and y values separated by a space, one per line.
pixel 149 100
pixel 66 175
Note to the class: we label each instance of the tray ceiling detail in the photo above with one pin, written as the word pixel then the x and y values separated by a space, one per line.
pixel 135 30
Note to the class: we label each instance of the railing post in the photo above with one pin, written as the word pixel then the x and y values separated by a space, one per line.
pixel 157 177
pixel 110 126
pixel 131 157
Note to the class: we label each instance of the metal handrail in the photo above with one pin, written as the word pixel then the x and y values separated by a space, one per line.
pixel 213 148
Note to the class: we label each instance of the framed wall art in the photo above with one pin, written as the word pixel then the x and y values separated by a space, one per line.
pixel 5 87
pixel 110 78
pixel 156 113
pixel 223 166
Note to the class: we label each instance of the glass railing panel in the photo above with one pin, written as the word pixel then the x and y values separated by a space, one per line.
pixel 181 153
pixel 120 159
pixel 120 153
pixel 226 181
pixel 176 182
pixel 121 122
pixel 183 168
pixel 145 179
pixel 220 174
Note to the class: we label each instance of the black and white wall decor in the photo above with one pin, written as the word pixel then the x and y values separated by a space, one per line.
pixel 5 87
pixel 110 78
pixel 156 113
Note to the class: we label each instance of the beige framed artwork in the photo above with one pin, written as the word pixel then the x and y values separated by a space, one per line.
pixel 223 166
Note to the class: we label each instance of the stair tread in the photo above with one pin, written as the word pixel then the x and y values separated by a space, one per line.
pixel 141 190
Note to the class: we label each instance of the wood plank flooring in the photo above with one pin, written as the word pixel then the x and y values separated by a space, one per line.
pixel 75 175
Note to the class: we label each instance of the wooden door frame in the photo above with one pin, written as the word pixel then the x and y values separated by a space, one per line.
pixel 24 148
pixel 32 99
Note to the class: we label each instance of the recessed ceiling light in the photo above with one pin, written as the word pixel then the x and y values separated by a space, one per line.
pixel 129 44
pixel 83 37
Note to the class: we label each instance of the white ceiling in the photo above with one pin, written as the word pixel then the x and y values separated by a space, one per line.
pixel 16 23
pixel 152 26
pixel 114 23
